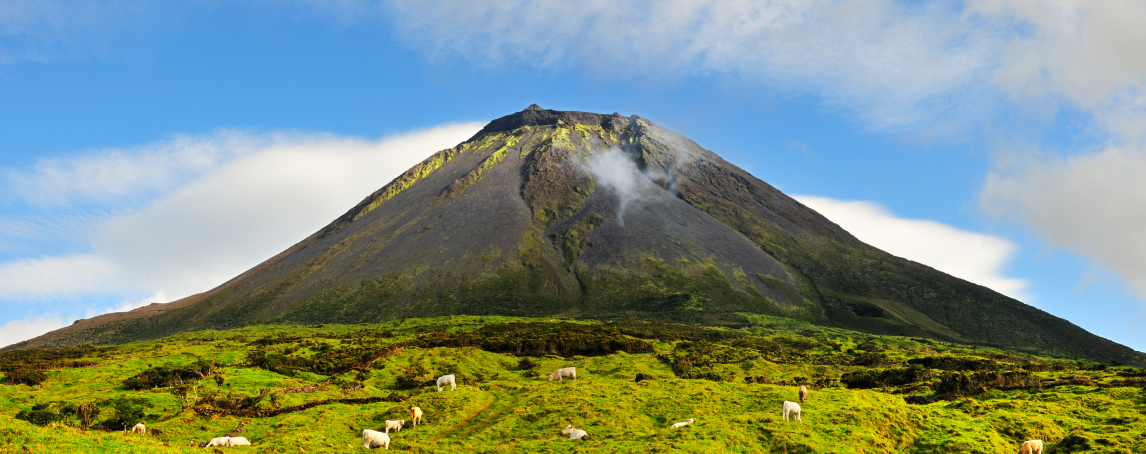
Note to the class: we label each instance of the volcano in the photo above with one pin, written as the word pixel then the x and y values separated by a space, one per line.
pixel 573 214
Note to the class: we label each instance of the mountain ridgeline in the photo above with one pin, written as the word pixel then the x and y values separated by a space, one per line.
pixel 572 214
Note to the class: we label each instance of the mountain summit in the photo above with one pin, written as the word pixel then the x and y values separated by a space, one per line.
pixel 552 213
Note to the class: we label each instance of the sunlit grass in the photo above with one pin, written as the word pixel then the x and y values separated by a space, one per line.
pixel 500 406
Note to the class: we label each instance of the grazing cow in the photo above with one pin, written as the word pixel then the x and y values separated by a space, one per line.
pixel 560 374
pixel 791 407
pixel 373 438
pixel 139 429
pixel 803 394
pixel 447 380
pixel 228 441
pixel 575 433
pixel 682 423
pixel 1032 447
pixel 415 415
pixel 396 425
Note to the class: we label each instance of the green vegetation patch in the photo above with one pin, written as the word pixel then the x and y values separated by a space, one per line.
pixel 539 339
pixel 634 379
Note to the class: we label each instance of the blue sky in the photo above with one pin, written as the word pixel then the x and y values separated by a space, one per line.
pixel 152 151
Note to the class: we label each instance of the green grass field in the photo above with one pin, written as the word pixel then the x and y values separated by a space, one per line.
pixel 634 380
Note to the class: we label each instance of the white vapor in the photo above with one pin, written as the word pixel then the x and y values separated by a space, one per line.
pixel 971 256
pixel 614 170
pixel 246 198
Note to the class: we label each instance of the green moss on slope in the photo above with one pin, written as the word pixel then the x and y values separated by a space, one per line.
pixel 315 388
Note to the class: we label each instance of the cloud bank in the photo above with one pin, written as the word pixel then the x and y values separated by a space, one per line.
pixel 971 256
pixel 1093 205
pixel 901 67
pixel 245 198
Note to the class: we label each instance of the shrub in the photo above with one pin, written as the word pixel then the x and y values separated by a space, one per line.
pixel 30 377
pixel 527 363
pixel 955 363
pixel 962 384
pixel 414 376
pixel 164 376
pixel 128 412
pixel 881 378
pixel 540 339
pixel 39 417
pixel 872 359
pixel 28 366
pixel 231 401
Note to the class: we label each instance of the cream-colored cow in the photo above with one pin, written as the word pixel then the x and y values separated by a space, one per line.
pixel 1032 447
pixel 415 415
pixel 791 408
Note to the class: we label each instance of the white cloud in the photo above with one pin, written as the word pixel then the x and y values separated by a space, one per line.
pixel 159 297
pixel 1082 50
pixel 232 217
pixel 28 327
pixel 50 30
pixel 106 175
pixel 971 256
pixel 34 325
pixel 901 67
pixel 1093 205
pixel 49 277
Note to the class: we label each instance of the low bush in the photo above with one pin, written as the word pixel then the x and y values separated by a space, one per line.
pixel 540 339
pixel 41 417
pixel 30 377
pixel 884 378
pixel 127 413
pixel 956 363
pixel 164 376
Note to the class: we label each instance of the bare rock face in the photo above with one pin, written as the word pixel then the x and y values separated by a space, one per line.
pixel 579 214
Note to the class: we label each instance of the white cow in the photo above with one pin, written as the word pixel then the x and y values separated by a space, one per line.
pixel 447 380
pixel 415 415
pixel 1032 447
pixel 560 374
pixel 392 424
pixel 374 438
pixel 139 429
pixel 575 433
pixel 228 441
pixel 791 407
pixel 682 423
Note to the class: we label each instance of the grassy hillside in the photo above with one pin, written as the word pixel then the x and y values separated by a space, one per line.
pixel 314 388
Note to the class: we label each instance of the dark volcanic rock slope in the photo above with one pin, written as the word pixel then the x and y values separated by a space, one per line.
pixel 578 214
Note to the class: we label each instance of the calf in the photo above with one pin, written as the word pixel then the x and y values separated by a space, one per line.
pixel 396 425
